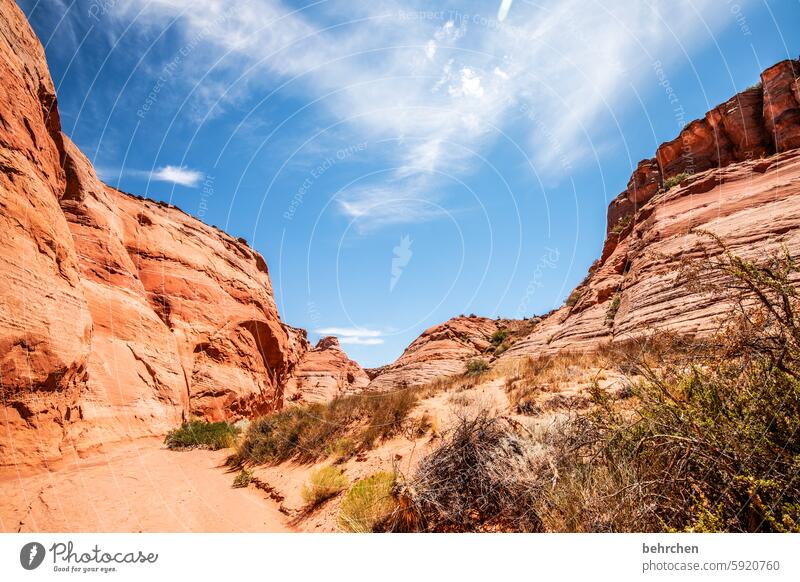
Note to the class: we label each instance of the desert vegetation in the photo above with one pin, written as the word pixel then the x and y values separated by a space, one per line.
pixel 341 427
pixel 622 224
pixel 705 438
pixel 199 434
pixel 696 435
pixel 243 478
pixel 482 477
pixel 369 504
pixel 670 183
pixel 476 367
pixel 325 482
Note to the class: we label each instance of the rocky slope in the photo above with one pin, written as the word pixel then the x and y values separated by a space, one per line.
pixel 443 350
pixel 119 316
pixel 323 373
pixel 737 175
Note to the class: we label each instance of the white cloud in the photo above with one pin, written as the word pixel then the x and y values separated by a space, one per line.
pixel 430 49
pixel 349 331
pixel 353 340
pixel 178 175
pixel 397 200
pixel 571 64
pixel 450 32
pixel 501 73
pixel 470 85
pixel 354 335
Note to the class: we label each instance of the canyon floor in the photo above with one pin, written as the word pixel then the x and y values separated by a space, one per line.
pixel 141 487
pixel 144 487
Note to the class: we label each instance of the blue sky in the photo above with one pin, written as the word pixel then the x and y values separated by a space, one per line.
pixel 401 162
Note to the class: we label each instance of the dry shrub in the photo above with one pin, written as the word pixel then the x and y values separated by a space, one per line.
pixel 368 504
pixel 243 478
pixel 324 483
pixel 482 478
pixel 348 424
pixel 476 367
pixel 713 442
pixel 199 434
pixel 552 373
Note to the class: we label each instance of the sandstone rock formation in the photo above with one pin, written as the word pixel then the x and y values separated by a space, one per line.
pixel 438 352
pixel 324 373
pixel 742 183
pixel 120 316
pixel 45 324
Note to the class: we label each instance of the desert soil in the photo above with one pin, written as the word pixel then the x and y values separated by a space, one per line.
pixel 141 487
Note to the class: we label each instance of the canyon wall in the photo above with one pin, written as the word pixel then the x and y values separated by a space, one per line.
pixel 734 173
pixel 119 316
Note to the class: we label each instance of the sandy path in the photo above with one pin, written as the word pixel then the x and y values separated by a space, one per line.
pixel 139 487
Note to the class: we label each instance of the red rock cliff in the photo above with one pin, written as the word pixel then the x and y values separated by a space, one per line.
pixel 738 176
pixel 119 316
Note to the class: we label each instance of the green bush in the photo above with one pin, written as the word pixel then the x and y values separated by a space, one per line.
pixel 199 434
pixel 341 427
pixel 368 503
pixel 476 367
pixel 323 484
pixel 574 297
pixel 613 307
pixel 498 337
pixel 621 224
pixel 675 180
pixel 243 478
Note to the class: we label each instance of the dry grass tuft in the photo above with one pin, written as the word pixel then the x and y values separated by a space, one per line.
pixel 324 483
pixel 482 478
pixel 368 504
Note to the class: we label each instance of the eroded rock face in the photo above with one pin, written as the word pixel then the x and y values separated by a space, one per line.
pixel 782 104
pixel 45 325
pixel 324 373
pixel 744 186
pixel 120 316
pixel 440 351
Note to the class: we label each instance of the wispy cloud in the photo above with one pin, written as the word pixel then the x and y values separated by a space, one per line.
pixel 178 175
pixel 181 175
pixel 354 335
pixel 361 341
pixel 398 201
pixel 445 87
